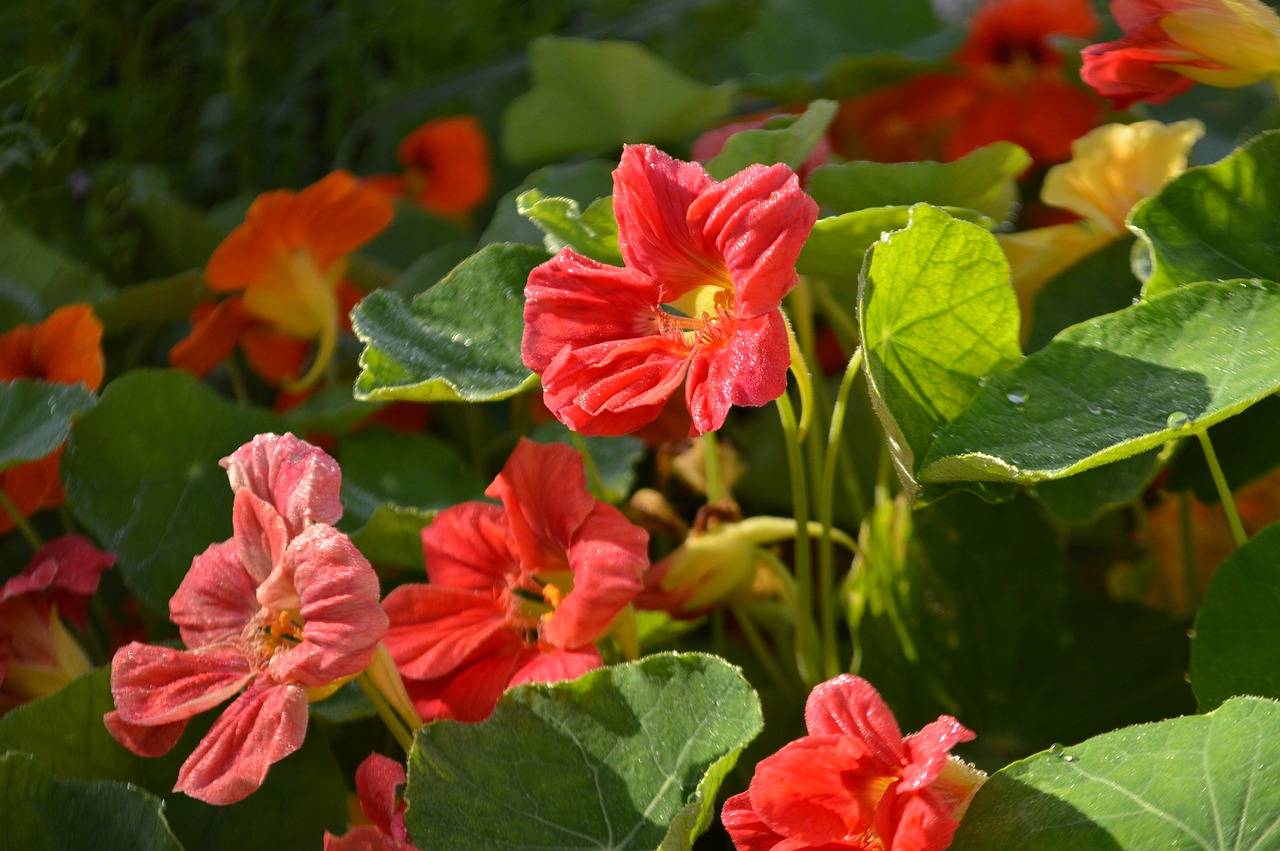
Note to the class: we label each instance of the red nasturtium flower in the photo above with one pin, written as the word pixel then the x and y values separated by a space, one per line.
pixel 37 654
pixel 285 269
pixel 446 165
pixel 855 782
pixel 66 348
pixel 284 611
pixel 518 593
pixel 698 303
pixel 377 782
pixel 1009 84
pixel 1170 45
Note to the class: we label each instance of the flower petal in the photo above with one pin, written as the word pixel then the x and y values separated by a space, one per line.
pixel 757 220
pixel 608 556
pixel 469 547
pixel 342 620
pixel 66 570
pixel 159 685
pixel 929 751
pixel 144 740
pixel 262 727
pixel 376 781
pixel 747 830
pixel 435 630
pixel 850 706
pixel 302 481
pixel 749 369
pixel 216 598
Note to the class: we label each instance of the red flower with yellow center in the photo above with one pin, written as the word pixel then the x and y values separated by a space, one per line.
pixel 285 267
pixel 698 303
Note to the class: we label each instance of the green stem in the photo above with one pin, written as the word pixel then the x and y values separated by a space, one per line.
pixel 389 716
pixel 20 522
pixel 826 511
pixel 761 650
pixel 1224 492
pixel 807 651
pixel 711 448
pixel 594 484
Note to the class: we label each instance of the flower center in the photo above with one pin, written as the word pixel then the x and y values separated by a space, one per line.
pixel 270 632
pixel 703 314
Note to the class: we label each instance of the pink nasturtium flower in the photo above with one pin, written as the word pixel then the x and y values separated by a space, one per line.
pixel 855 782
pixel 377 782
pixel 698 303
pixel 37 653
pixel 1170 45
pixel 518 593
pixel 284 611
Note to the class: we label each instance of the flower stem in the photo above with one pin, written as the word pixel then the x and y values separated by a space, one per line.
pixel 826 512
pixel 807 651
pixel 20 523
pixel 1224 492
pixel 381 683
pixel 761 650
pixel 385 712
pixel 711 449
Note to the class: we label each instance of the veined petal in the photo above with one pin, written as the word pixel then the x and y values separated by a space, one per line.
pixel 578 302
pixel 614 388
pixel 469 547
pixel 262 727
pixel 376 781
pixel 919 822
pixel 929 751
pixel 435 630
pixel 260 535
pixel 215 330
pixel 554 666
pixel 608 556
pixel 747 830
pixel 749 368
pixel 342 620
pixel 144 740
pixel 470 692
pixel 652 194
pixel 158 685
pixel 302 481
pixel 216 598
pixel 850 706
pixel 543 490
pixel 757 221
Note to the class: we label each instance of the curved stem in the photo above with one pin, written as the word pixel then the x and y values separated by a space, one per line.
pixel 826 511
pixel 809 654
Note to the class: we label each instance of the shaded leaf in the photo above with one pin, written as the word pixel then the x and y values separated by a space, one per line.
pixel 593 95
pixel 392 536
pixel 1119 386
pixel 1204 781
pixel 937 317
pixel 1215 222
pixel 36 416
pixel 142 474
pixel 153 302
pixel 36 279
pixel 1084 496
pixel 625 757
pixel 1100 283
pixel 411 470
pixel 1233 646
pixel 458 341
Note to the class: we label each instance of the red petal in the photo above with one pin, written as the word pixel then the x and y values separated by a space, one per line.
pixel 342 621
pixel 608 557
pixel 747 830
pixel 930 749
pixel 757 220
pixel 300 480
pixel 851 706
pixel 469 547
pixel 149 741
pixel 749 369
pixel 376 781
pixel 67 571
pixel 260 536
pixel 262 727
pixel 158 685
pixel 435 630
pixel 216 598
pixel 914 822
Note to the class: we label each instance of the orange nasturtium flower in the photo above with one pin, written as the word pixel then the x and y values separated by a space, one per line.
pixel 66 348
pixel 285 267
pixel 446 164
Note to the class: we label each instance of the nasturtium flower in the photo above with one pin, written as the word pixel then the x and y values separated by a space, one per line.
pixel 37 654
pixel 1170 45
pixel 378 780
pixel 284 269
pixel 855 782
pixel 1112 168
pixel 66 348
pixel 698 303
pixel 519 592
pixel 284 611
pixel 447 168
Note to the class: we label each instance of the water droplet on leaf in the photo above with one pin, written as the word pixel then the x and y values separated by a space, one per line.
pixel 1178 420
pixel 1017 395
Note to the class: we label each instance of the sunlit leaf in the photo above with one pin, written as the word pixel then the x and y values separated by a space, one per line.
pixel 592 232
pixel 786 139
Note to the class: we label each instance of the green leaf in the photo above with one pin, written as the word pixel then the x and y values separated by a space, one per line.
pixel 584 182
pixel 1205 781
pixel 392 537
pixel 153 302
pixel 458 341
pixel 65 734
pixel 42 812
pixel 984 180
pixel 1233 645
pixel 1246 448
pixel 624 757
pixel 1083 497
pixel 180 236
pixel 1216 222
pixel 412 470
pixel 593 233
pixel 937 317
pixel 36 278
pixel 1119 386
pixel 836 246
pixel 594 95
pixel 36 416
pixel 786 139
pixel 1100 283
pixel 142 474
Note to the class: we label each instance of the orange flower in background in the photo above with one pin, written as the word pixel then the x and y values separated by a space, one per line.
pixel 286 265
pixel 66 348
pixel 1009 85
pixel 446 165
